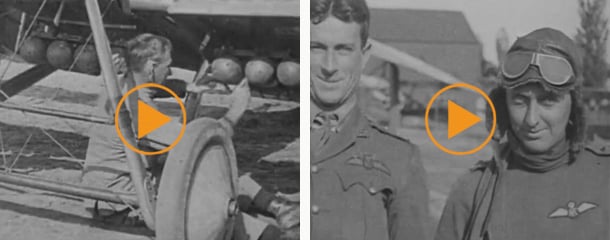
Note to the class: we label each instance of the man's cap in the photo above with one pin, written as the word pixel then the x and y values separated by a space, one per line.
pixel 552 42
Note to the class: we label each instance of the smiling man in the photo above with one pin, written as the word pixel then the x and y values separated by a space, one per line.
pixel 365 182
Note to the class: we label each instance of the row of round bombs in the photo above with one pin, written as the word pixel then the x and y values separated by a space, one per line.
pixel 33 49
pixel 260 72
pixel 61 54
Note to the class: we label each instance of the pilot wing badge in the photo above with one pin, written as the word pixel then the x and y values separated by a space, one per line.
pixel 369 161
pixel 572 211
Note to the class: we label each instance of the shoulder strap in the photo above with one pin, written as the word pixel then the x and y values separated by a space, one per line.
pixel 481 204
pixel 477 225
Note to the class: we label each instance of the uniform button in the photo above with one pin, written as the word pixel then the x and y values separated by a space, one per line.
pixel 334 129
pixel 314 168
pixel 372 190
pixel 315 209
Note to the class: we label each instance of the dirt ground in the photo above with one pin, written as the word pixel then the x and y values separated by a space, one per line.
pixel 32 214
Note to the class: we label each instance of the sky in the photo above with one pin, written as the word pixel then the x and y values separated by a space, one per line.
pixel 518 17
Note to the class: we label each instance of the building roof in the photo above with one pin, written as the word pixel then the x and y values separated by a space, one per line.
pixel 414 25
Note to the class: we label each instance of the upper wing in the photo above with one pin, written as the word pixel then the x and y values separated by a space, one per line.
pixel 585 206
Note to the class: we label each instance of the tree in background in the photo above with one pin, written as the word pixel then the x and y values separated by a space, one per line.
pixel 591 37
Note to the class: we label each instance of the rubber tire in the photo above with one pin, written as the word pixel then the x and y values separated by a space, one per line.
pixel 198 182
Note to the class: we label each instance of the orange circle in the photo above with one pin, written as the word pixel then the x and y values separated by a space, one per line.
pixel 479 91
pixel 153 85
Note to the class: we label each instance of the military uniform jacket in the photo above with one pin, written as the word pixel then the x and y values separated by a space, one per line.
pixel 367 184
pixel 570 202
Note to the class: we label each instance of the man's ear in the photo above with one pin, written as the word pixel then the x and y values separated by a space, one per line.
pixel 148 67
pixel 366 53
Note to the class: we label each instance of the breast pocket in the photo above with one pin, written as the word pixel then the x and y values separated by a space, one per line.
pixel 366 189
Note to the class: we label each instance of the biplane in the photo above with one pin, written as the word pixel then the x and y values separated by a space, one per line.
pixel 197 197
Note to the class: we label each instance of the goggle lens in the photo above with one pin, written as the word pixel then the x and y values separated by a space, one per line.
pixel 515 64
pixel 554 70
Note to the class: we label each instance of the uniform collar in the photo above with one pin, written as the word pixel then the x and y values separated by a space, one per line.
pixel 343 112
pixel 556 157
pixel 355 126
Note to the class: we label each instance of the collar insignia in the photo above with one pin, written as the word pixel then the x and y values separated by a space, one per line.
pixel 572 211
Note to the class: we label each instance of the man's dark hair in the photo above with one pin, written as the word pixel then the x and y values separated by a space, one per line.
pixel 345 10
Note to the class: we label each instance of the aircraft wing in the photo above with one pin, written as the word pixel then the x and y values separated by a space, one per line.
pixel 267 8
pixel 391 54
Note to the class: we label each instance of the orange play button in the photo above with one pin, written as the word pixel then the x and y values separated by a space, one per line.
pixel 151 122
pixel 459 119
pixel 149 119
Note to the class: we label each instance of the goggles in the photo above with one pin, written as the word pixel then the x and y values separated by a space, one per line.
pixel 555 70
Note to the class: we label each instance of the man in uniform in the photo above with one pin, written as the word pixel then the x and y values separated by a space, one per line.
pixel 365 182
pixel 544 181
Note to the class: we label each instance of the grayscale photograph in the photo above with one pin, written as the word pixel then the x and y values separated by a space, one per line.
pixel 459 120
pixel 149 119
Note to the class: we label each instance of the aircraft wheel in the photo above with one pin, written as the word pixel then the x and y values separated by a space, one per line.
pixel 198 189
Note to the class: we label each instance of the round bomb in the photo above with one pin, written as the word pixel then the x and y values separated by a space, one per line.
pixel 59 54
pixel 86 60
pixel 288 73
pixel 34 50
pixel 227 70
pixel 259 73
